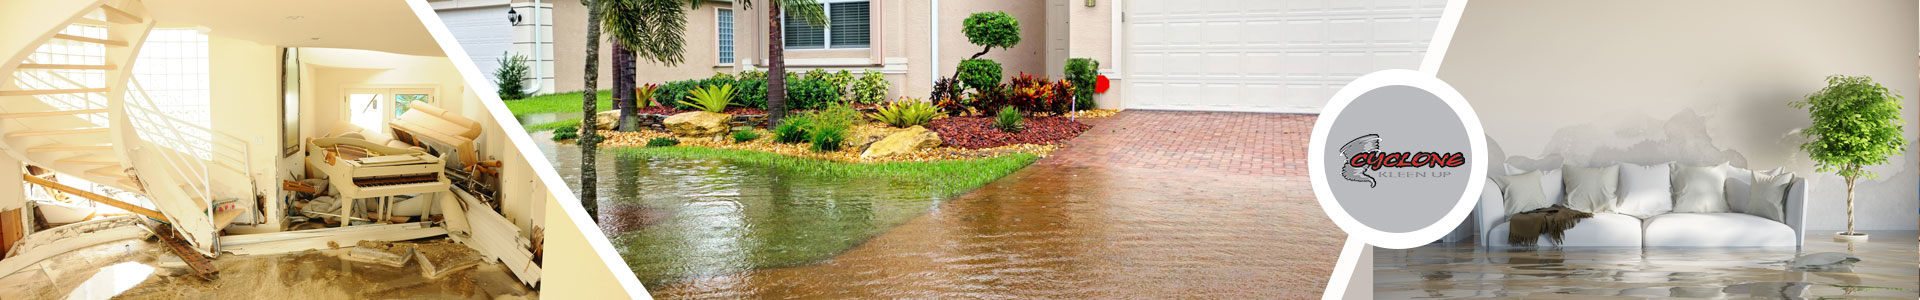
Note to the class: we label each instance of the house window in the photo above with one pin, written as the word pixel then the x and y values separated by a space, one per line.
pixel 723 20
pixel 848 27
pixel 173 76
pixel 373 108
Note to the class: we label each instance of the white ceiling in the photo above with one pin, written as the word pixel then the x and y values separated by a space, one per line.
pixel 380 25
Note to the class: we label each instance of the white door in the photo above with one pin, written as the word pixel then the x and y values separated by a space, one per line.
pixel 483 32
pixel 1266 55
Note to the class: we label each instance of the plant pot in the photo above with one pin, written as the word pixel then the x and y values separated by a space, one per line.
pixel 1857 237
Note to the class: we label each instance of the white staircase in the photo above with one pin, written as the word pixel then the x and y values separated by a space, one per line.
pixel 68 102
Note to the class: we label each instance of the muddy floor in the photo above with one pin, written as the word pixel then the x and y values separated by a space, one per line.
pixel 312 274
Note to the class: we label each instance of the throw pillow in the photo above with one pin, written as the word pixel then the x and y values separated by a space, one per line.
pixel 1768 196
pixel 1645 190
pixel 1591 190
pixel 1549 182
pixel 1522 192
pixel 1738 182
pixel 1699 189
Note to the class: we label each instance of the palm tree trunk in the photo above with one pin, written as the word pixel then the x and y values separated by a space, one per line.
pixel 589 139
pixel 623 84
pixel 776 67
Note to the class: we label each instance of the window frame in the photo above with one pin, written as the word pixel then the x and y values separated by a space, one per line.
pixel 826 33
pixel 733 50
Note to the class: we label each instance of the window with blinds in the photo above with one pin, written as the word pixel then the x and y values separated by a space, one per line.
pixel 849 27
pixel 724 27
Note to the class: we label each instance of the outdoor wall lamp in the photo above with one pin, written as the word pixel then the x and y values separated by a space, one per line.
pixel 1090 3
pixel 513 16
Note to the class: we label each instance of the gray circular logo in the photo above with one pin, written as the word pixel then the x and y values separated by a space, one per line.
pixel 1397 158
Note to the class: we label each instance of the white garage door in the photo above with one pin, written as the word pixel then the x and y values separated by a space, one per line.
pixel 1266 55
pixel 483 32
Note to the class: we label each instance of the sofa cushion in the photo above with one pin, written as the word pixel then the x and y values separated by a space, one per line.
pixel 1717 230
pixel 1768 196
pixel 1602 230
pixel 1645 190
pixel 1739 181
pixel 1549 182
pixel 1699 189
pixel 1591 189
pixel 1522 192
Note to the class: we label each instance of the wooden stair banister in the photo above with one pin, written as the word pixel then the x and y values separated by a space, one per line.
pixel 109 201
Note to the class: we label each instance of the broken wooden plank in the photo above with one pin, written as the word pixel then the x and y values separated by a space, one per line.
pixel 497 238
pixel 347 239
pixel 109 201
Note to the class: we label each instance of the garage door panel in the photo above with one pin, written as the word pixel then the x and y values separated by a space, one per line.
pixel 482 33
pixel 1266 55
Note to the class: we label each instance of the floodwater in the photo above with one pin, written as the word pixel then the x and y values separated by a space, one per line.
pixel 1890 269
pixel 317 274
pixel 711 229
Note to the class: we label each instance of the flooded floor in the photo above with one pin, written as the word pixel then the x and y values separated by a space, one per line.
pixel 1064 227
pixel 137 269
pixel 1890 268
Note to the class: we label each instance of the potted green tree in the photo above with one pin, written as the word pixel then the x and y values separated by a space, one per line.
pixel 1856 123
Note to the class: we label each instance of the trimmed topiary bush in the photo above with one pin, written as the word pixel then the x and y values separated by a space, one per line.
pixel 979 73
pixel 991 29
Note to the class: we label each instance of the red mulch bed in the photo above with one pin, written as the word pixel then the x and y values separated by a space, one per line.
pixel 669 110
pixel 978 132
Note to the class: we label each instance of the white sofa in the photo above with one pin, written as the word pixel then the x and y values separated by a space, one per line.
pixel 1730 229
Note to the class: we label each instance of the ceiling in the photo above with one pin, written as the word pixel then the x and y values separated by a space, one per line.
pixel 380 25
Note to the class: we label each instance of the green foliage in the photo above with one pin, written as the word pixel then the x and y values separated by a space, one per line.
pixel 1856 123
pixel 827 139
pixel 557 103
pixel 811 93
pixel 1009 120
pixel 650 28
pixel 992 29
pixel 906 112
pixel 870 88
pixel 663 142
pixel 792 130
pixel 566 133
pixel 1083 72
pixel 760 74
pixel 722 76
pixel 979 73
pixel 745 136
pixel 752 92
pixel 511 78
pixel 673 92
pixel 710 98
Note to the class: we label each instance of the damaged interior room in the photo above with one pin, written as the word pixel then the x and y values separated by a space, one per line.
pixel 266 149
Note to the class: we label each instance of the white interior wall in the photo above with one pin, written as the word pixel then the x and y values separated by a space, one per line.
pixel 245 83
pixel 1700 82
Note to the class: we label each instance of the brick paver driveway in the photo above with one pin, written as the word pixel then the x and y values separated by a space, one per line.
pixel 1146 205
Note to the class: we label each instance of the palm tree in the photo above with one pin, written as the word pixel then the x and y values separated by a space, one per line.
pixel 641 29
pixel 589 136
pixel 815 15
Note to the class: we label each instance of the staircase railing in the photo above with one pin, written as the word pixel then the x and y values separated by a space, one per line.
pixel 193 153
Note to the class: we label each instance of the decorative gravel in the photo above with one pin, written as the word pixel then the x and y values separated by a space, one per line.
pixel 979 133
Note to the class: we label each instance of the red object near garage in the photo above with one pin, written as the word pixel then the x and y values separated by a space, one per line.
pixel 1100 85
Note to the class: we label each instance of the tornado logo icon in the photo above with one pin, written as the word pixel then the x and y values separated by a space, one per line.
pixel 1362 144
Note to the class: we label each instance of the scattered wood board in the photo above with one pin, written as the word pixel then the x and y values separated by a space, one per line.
pixel 439 259
pixel 323 241
pixel 496 238
pixel 389 254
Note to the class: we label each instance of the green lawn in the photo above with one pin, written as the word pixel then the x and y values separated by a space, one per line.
pixel 555 103
pixel 945 178
pixel 550 126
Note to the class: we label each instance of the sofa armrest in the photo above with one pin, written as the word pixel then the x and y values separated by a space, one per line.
pixel 1491 210
pixel 1795 210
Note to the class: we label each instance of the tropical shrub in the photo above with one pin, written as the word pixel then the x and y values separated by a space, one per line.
pixel 870 88
pixel 710 98
pixel 1036 94
pixel 792 130
pixel 1009 120
pixel 663 142
pixel 761 74
pixel 745 136
pixel 566 133
pixel 644 94
pixel 722 76
pixel 751 92
pixel 989 100
pixel 906 112
pixel 1082 72
pixel 979 73
pixel 511 77
pixel 811 93
pixel 828 138
pixel 947 94
pixel 674 91
pixel 827 128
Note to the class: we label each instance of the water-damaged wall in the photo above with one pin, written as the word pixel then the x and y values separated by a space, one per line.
pixel 1697 82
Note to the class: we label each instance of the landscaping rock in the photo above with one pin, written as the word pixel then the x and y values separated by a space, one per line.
pixel 606 119
pixel 863 136
pixel 699 124
pixel 912 139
